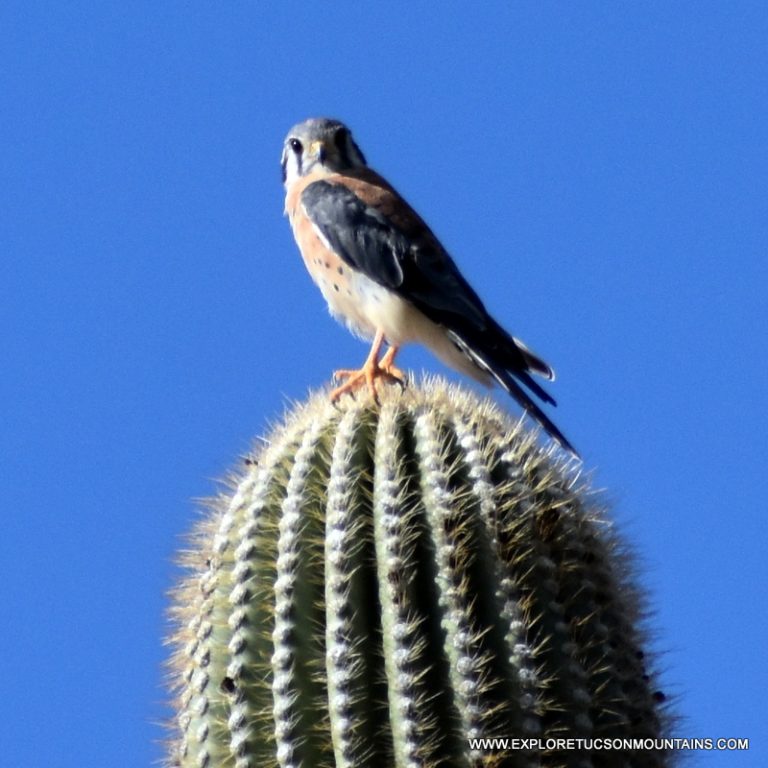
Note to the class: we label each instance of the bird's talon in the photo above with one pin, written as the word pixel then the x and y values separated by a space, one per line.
pixel 344 373
pixel 344 389
pixel 395 374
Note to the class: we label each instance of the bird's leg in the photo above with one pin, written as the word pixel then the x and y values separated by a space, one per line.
pixel 372 369
pixel 387 364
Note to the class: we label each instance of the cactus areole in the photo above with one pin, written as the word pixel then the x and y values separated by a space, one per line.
pixel 386 584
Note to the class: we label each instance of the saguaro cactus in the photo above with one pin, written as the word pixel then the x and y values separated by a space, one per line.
pixel 387 583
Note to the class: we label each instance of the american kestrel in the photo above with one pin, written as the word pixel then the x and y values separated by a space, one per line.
pixel 387 277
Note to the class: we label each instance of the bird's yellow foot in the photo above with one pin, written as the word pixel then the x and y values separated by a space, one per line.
pixel 372 369
pixel 366 377
pixel 387 364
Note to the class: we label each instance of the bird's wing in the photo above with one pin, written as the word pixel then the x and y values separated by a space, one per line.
pixel 384 238
pixel 372 229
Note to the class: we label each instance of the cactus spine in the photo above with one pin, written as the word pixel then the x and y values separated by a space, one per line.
pixel 387 582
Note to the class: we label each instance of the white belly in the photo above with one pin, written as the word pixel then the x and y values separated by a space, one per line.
pixel 366 307
pixel 369 307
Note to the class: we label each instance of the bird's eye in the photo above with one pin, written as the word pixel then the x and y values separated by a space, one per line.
pixel 295 145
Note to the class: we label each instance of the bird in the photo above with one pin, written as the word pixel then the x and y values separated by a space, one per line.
pixel 387 277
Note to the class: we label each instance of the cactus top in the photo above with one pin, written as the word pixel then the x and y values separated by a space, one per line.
pixel 385 583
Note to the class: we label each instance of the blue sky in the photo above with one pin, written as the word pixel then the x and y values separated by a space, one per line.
pixel 598 170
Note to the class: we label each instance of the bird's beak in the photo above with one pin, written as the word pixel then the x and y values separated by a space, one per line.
pixel 317 148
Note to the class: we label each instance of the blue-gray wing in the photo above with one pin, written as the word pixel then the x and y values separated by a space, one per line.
pixel 397 251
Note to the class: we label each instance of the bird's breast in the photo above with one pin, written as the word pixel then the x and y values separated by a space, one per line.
pixel 354 299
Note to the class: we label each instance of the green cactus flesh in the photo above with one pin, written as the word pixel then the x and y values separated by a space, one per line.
pixel 386 582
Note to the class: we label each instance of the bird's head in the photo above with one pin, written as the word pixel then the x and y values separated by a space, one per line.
pixel 319 144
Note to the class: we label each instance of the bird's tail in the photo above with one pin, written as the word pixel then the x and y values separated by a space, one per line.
pixel 505 378
pixel 533 362
pixel 509 361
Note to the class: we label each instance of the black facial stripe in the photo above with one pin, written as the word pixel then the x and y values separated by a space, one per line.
pixel 340 139
pixel 360 155
pixel 298 156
